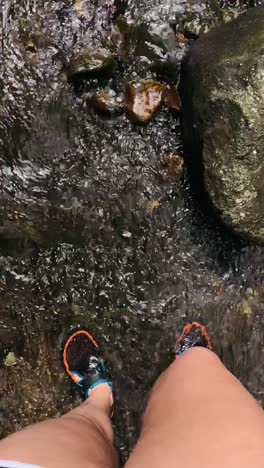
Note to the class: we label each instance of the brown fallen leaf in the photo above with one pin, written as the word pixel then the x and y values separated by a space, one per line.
pixel 217 285
pixel 171 166
pixel 181 38
pixel 171 97
pixel 260 290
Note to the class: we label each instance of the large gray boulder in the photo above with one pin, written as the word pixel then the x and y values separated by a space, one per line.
pixel 223 102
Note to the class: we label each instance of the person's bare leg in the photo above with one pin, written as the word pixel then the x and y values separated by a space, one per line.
pixel 82 438
pixel 199 415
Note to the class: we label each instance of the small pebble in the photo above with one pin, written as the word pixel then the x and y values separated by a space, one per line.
pixel 10 360
pixel 144 99
pixel 246 308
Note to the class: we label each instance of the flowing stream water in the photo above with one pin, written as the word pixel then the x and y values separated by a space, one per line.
pixel 90 231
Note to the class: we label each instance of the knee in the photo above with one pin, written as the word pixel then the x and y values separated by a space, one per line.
pixel 198 355
pixel 96 423
pixel 193 362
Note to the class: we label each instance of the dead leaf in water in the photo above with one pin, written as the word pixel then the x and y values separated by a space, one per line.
pixel 171 97
pixel 171 166
pixel 217 284
pixel 260 290
pixel 181 38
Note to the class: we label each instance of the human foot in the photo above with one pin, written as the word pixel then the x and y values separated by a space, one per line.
pixel 193 334
pixel 83 361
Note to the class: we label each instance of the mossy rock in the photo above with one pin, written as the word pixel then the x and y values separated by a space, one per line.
pixel 223 103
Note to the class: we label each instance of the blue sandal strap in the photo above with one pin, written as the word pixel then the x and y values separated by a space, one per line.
pixel 95 378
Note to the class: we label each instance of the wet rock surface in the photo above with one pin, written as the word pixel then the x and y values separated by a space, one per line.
pixel 224 101
pixel 108 103
pixel 151 29
pixel 90 63
pixel 90 232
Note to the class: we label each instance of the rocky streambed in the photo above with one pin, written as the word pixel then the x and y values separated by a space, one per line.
pixel 103 220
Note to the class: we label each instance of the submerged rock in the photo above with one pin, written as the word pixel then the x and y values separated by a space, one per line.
pixel 200 17
pixel 89 63
pixel 83 9
pixel 223 102
pixel 107 103
pixel 152 32
pixel 144 99
pixel 10 360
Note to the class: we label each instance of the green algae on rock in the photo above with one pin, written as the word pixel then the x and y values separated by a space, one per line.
pixel 223 102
